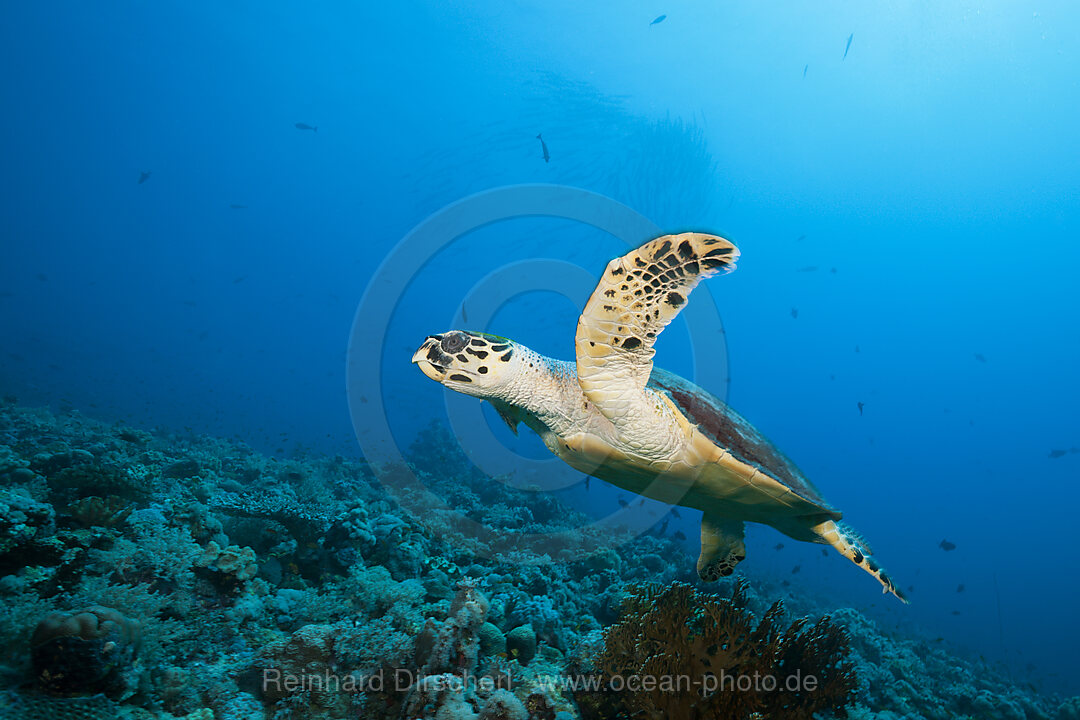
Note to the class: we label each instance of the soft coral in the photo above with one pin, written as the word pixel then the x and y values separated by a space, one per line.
pixel 717 661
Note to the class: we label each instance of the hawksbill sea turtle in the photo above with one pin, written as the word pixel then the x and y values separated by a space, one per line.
pixel 614 416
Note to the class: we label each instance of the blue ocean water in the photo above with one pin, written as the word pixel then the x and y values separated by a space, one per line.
pixel 902 322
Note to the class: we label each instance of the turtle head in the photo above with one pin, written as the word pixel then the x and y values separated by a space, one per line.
pixel 471 363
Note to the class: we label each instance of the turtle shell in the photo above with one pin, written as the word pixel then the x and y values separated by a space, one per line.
pixel 731 431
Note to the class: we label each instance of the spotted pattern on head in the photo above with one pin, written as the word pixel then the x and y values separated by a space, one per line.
pixel 639 294
pixel 465 357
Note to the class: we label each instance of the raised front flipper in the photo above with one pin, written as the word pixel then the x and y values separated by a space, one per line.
pixel 639 294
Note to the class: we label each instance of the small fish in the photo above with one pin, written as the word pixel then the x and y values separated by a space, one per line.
pixel 857 349
pixel 586 482
pixel 795 313
pixel 42 277
pixel 623 503
pixel 947 546
pixel 779 546
pixel 234 206
pixel 824 552
pixel 955 612
pixel 785 583
pixel 464 313
pixel 663 527
pixel 808 268
pixel 800 238
pixel 641 502
pixel 144 176
pixel 658 20
pixel 1057 453
pixel 675 513
pixel 795 570
pixel 848 46
pixel 805 68
pixel 939 639
pixel 980 357
pixel 543 146
pixel 832 270
pixel 911 588
pixel 305 126
pixel 679 535
pixel 960 588
pixel 861 406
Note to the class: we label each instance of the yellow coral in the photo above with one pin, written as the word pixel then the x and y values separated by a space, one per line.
pixel 231 560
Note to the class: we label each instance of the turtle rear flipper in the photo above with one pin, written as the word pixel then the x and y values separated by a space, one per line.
pixel 851 546
pixel 722 547
pixel 855 537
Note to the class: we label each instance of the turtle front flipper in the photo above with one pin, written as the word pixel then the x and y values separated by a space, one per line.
pixel 722 547
pixel 639 294
pixel 851 546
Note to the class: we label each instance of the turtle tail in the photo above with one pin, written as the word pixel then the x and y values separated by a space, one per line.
pixel 849 544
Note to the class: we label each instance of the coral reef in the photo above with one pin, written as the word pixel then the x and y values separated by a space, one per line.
pixel 1069 710
pixel 172 576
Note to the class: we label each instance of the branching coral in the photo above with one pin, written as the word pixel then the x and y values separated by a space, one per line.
pixel 680 653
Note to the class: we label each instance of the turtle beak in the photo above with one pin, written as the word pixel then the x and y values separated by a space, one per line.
pixel 423 357
pixel 434 372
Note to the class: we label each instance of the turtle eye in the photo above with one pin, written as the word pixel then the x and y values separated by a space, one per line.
pixel 454 343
